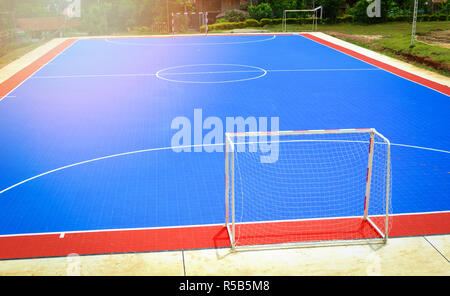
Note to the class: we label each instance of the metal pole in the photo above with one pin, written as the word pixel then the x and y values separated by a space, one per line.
pixel 369 175
pixel 413 33
pixel 168 18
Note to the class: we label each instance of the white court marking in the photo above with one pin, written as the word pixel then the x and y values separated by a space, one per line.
pixel 192 226
pixel 255 70
pixel 40 67
pixel 160 74
pixel 367 62
pixel 189 44
pixel 182 147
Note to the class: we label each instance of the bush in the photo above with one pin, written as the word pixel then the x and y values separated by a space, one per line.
pixel 399 18
pixel 143 29
pixel 345 19
pixel 260 11
pixel 291 21
pixel 420 18
pixel 265 21
pixel 224 26
pixel 243 5
pixel 442 17
pixel 252 23
pixel 235 16
pixel 423 18
pixel 277 21
pixel 240 25
pixel 221 20
pixel 305 21
pixel 433 17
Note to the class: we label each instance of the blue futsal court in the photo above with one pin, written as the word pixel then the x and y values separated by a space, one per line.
pixel 85 141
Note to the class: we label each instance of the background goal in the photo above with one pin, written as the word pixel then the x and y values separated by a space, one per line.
pixel 303 16
pixel 184 22
pixel 317 187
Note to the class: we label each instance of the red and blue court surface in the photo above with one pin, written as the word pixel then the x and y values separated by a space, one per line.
pixel 86 164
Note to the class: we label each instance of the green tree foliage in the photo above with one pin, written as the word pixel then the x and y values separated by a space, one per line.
pixel 279 6
pixel 331 8
pixel 389 9
pixel 263 10
pixel 33 8
pixel 235 16
pixel 94 18
pixel 102 16
pixel 444 8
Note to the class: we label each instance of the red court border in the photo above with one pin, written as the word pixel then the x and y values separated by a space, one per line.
pixel 180 238
pixel 177 238
pixel 18 78
pixel 402 73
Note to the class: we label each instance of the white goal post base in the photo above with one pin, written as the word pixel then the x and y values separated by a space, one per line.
pixel 323 187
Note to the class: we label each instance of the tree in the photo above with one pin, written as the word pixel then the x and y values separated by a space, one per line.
pixel 235 16
pixel 279 6
pixel 260 11
pixel 94 17
pixel 331 8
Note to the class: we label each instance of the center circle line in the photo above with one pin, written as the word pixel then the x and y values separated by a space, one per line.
pixel 160 73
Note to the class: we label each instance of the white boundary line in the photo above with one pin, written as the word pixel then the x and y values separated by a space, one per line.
pixel 109 230
pixel 94 76
pixel 42 66
pixel 423 148
pixel 198 225
pixel 298 34
pixel 200 73
pixel 186 35
pixel 160 149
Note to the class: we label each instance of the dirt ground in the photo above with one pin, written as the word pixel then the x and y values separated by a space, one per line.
pixel 439 38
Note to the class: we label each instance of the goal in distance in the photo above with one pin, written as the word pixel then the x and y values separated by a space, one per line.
pixel 311 14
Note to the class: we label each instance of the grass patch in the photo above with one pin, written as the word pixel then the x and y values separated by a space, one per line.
pixel 420 49
pixel 12 52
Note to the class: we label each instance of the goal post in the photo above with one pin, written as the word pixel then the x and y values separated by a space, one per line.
pixel 319 187
pixel 183 22
pixel 314 14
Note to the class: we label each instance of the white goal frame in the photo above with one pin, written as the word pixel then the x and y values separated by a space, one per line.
pixel 230 217
pixel 201 13
pixel 315 17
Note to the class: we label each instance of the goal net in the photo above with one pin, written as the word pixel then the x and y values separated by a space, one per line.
pixel 307 187
pixel 185 22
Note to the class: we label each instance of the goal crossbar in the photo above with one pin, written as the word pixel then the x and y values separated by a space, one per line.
pixel 379 223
